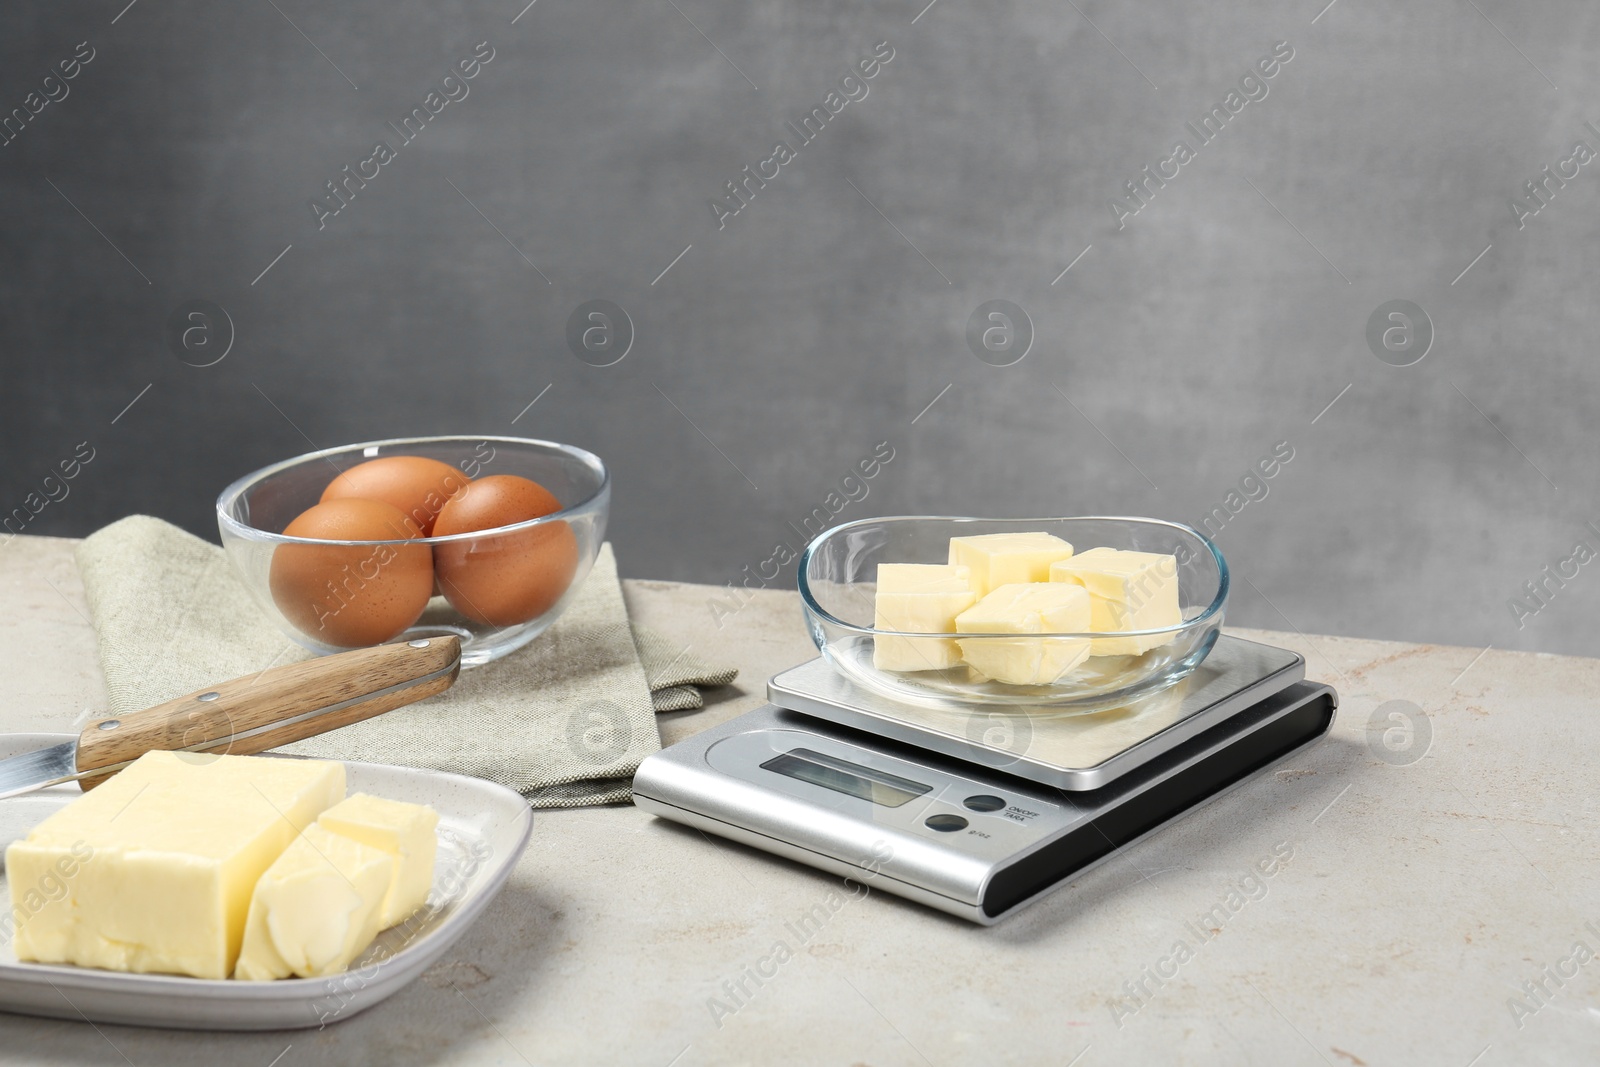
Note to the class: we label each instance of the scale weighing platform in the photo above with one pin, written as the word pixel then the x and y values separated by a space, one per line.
pixel 979 812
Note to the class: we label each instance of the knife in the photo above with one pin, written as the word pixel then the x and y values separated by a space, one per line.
pixel 250 714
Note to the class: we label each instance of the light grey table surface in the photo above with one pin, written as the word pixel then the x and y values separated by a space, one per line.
pixel 1419 896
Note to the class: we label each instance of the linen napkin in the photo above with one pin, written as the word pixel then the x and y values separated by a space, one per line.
pixel 564 720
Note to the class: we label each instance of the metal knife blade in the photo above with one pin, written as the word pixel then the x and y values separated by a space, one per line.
pixel 249 714
pixel 39 769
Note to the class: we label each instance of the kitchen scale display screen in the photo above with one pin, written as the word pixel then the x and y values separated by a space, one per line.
pixel 843 776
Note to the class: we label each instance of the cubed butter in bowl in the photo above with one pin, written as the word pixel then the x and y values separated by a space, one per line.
pixel 924 578
pixel 1005 558
pixel 1128 591
pixel 1027 608
pixel 919 598
pixel 1050 614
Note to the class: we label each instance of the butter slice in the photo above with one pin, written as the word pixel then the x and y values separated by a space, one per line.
pixel 1027 608
pixel 923 578
pixel 405 832
pixel 315 909
pixel 163 859
pixel 1129 591
pixel 918 613
pixel 1007 558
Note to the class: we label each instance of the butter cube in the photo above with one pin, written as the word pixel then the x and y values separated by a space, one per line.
pixel 923 578
pixel 918 613
pixel 163 859
pixel 1007 558
pixel 1026 608
pixel 315 909
pixel 1129 591
pixel 405 832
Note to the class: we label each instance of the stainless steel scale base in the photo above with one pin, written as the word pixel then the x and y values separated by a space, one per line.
pixel 978 814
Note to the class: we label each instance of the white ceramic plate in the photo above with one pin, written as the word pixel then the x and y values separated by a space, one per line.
pixel 483 829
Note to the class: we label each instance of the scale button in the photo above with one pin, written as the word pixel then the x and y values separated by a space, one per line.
pixel 984 802
pixel 945 823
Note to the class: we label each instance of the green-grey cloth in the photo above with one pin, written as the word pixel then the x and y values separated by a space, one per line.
pixel 564 720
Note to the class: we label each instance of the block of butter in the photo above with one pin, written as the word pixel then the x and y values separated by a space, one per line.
pixel 405 832
pixel 918 613
pixel 1026 608
pixel 315 909
pixel 167 854
pixel 1128 591
pixel 1007 558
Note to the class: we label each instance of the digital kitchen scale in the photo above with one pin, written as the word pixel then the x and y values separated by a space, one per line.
pixel 980 811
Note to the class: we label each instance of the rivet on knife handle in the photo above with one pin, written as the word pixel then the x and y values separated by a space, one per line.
pixel 277 706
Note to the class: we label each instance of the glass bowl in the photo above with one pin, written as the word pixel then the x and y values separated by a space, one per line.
pixel 550 556
pixel 838 585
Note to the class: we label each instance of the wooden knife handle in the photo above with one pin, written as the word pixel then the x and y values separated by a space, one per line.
pixel 277 706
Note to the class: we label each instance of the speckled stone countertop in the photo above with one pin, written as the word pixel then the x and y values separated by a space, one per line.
pixel 1434 898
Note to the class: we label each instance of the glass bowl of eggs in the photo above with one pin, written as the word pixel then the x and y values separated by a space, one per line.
pixel 1050 614
pixel 485 538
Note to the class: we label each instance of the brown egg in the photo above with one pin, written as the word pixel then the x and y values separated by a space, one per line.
pixel 352 595
pixel 416 485
pixel 504 579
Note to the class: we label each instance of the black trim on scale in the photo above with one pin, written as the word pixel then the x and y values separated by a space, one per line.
pixel 1132 818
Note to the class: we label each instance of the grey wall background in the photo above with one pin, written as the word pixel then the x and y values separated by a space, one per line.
pixel 1222 319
